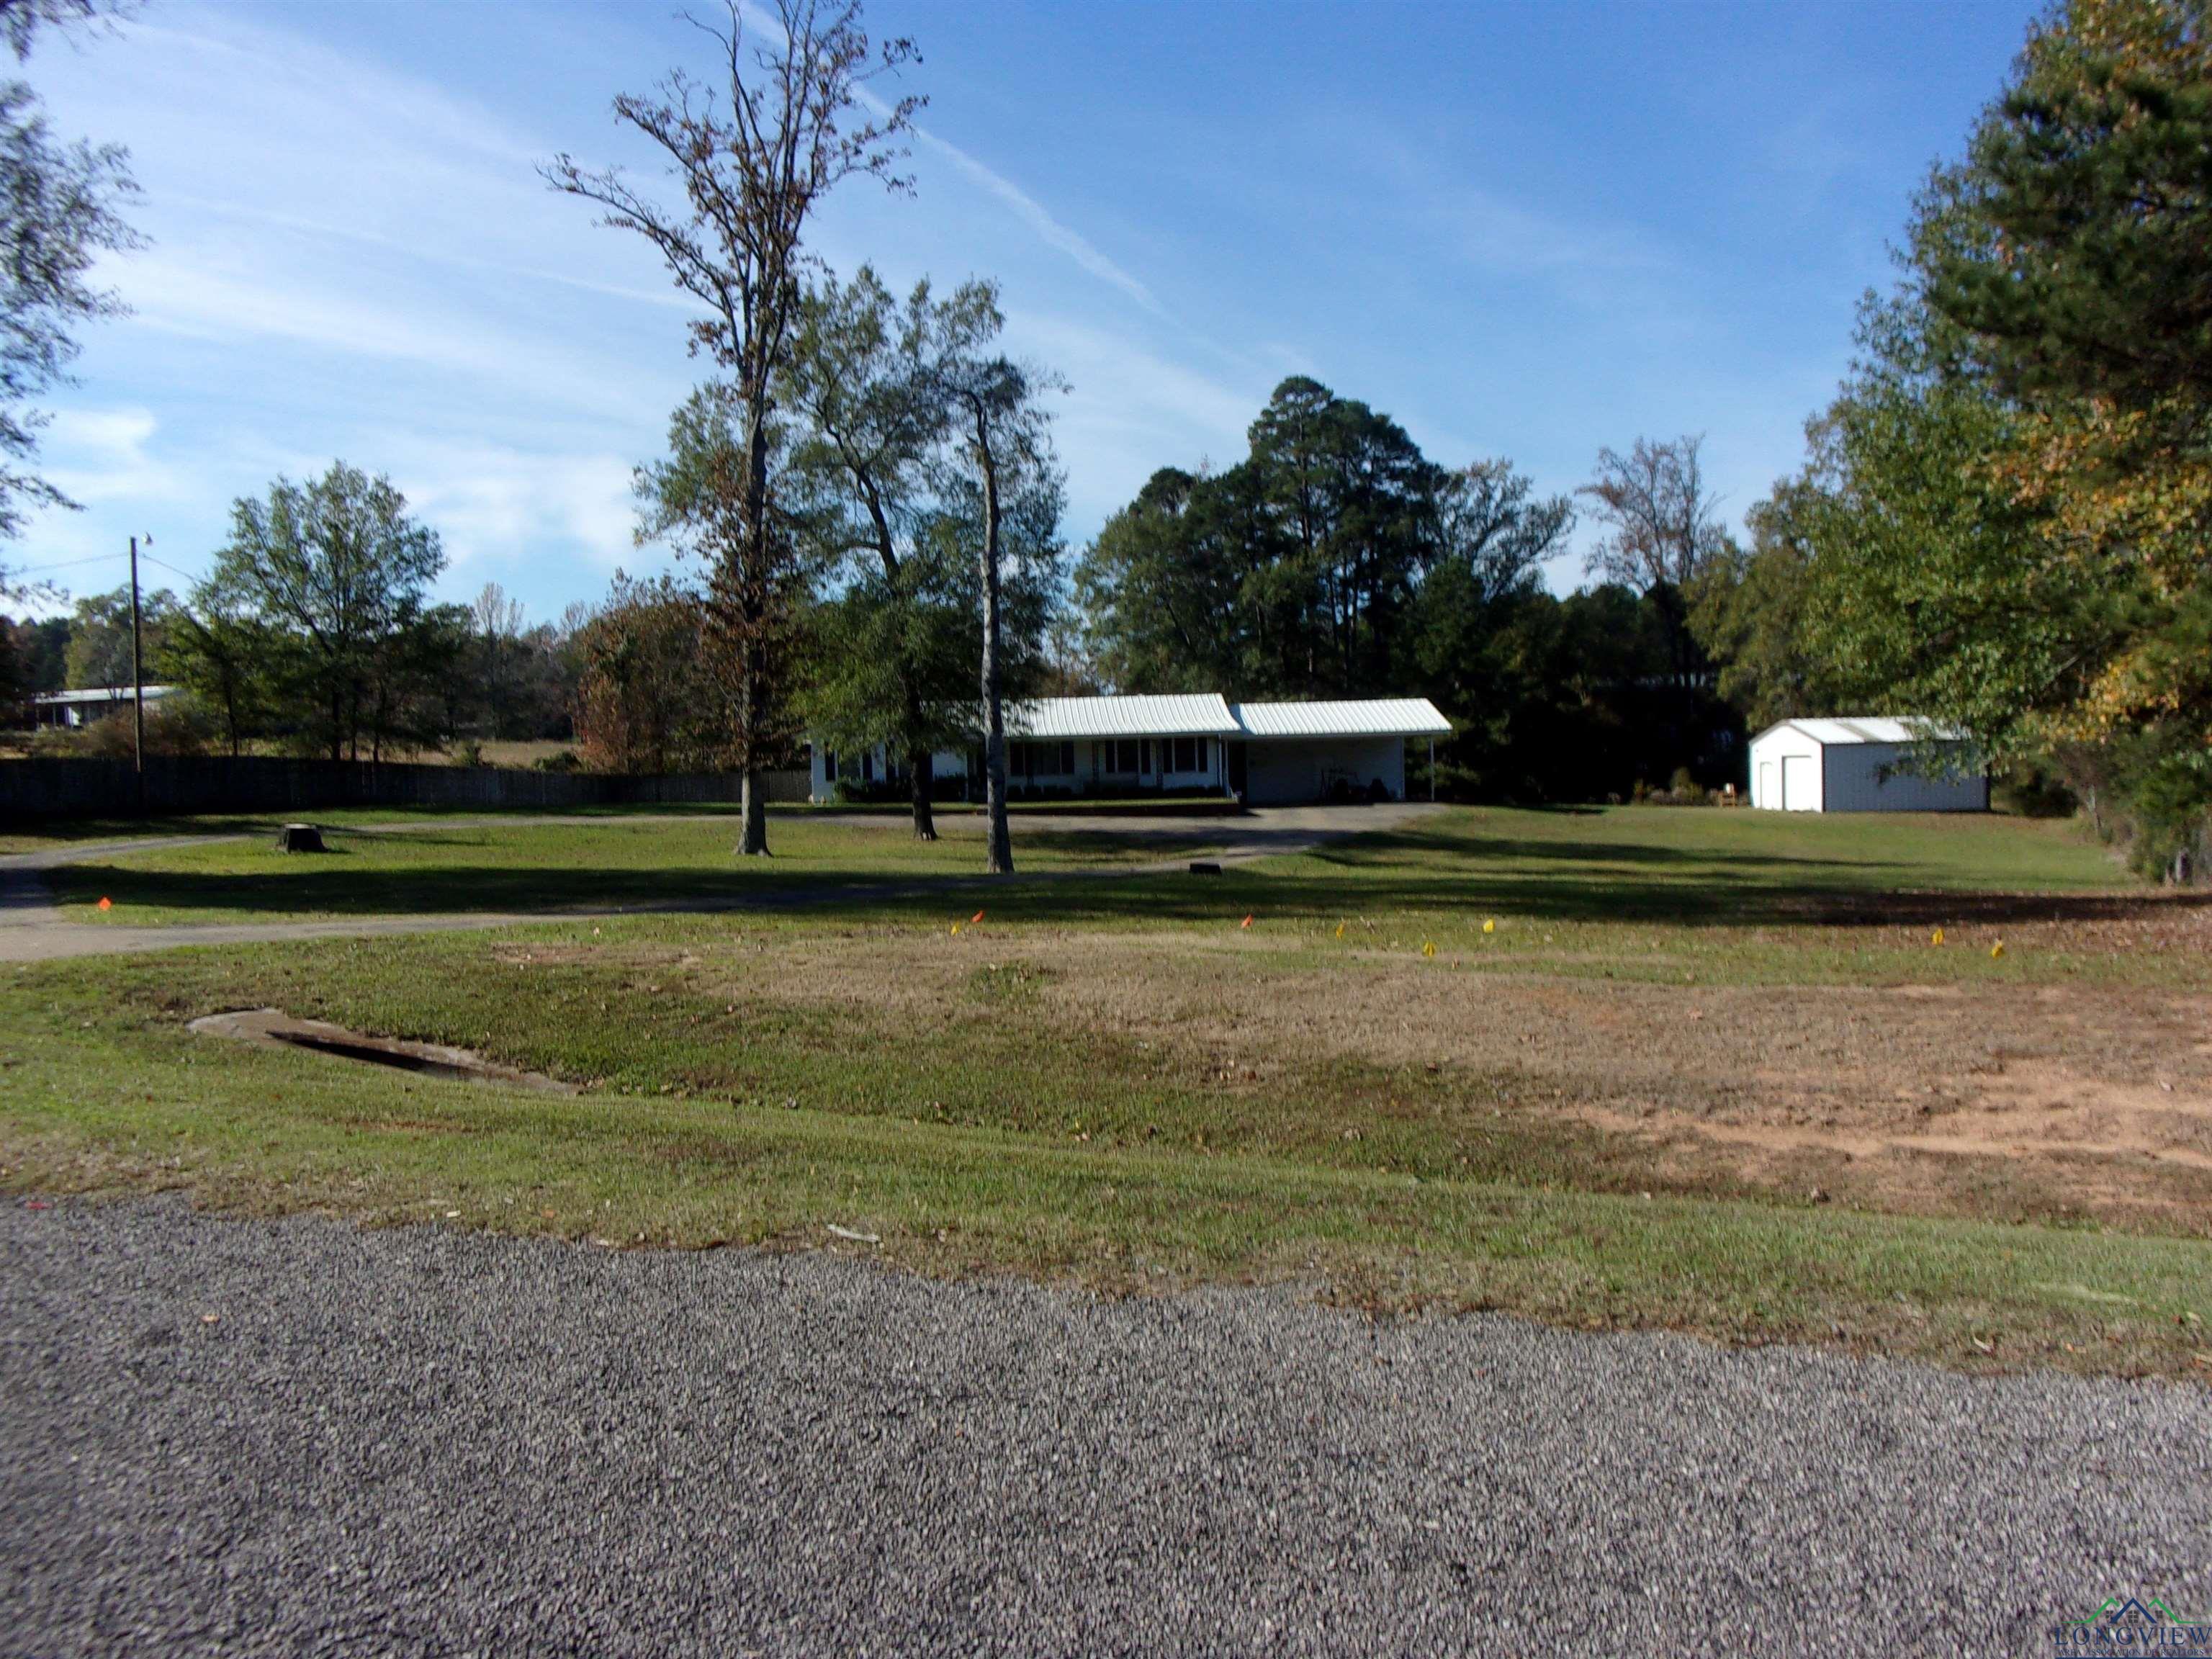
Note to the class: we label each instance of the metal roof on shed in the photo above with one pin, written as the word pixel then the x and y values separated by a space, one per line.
pixel 1372 717
pixel 1870 728
pixel 1189 715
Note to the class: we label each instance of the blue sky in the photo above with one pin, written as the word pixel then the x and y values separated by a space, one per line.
pixel 1525 230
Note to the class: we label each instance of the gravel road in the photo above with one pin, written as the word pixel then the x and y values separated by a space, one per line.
pixel 238 1436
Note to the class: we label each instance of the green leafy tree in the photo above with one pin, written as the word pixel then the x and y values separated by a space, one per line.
pixel 336 574
pixel 1292 573
pixel 1162 586
pixel 100 635
pixel 697 502
pixel 1751 610
pixel 59 211
pixel 892 650
pixel 226 660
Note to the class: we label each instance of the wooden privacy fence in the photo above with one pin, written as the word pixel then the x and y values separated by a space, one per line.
pixel 179 784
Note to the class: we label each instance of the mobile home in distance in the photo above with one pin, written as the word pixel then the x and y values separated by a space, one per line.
pixel 1858 765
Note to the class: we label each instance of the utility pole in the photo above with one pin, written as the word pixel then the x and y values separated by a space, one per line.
pixel 137 684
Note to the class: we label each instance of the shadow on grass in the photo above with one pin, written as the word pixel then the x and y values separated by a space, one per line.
pixel 1417 869
pixel 1711 901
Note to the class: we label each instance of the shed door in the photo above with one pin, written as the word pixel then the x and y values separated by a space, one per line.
pixel 1797 783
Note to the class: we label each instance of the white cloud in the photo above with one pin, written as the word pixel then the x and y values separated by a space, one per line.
pixel 499 508
pixel 98 456
pixel 1039 219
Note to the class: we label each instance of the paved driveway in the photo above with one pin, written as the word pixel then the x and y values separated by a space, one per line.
pixel 33 929
pixel 232 1438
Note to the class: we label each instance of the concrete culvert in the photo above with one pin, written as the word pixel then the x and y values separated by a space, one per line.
pixel 299 838
pixel 271 1027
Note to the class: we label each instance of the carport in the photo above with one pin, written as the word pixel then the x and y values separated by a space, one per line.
pixel 1295 752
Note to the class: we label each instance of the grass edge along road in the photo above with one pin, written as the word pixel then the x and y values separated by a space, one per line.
pixel 273 1133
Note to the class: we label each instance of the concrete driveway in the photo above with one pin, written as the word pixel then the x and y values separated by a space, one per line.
pixel 33 929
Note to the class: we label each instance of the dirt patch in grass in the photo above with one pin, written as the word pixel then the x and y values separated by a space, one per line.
pixel 2064 1102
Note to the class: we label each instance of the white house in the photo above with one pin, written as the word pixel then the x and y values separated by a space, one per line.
pixel 1859 765
pixel 82 707
pixel 1267 753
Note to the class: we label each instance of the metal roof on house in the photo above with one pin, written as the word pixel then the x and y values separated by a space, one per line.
pixel 101 694
pixel 1205 714
pixel 1870 728
pixel 1372 717
pixel 1202 714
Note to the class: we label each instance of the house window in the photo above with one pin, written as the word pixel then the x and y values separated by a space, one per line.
pixel 1186 755
pixel 830 766
pixel 1125 753
pixel 1044 760
pixel 867 766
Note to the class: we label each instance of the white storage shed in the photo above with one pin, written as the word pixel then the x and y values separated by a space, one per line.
pixel 1860 765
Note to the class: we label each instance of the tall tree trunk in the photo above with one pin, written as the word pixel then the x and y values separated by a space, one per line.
pixel 921 778
pixel 921 764
pixel 755 599
pixel 1000 860
pixel 753 839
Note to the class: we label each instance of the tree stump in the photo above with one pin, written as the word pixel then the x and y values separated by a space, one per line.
pixel 299 838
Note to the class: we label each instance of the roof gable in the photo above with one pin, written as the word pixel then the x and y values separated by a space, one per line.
pixel 1847 731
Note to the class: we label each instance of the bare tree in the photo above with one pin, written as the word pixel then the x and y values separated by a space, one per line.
pixel 497 616
pixel 753 157
pixel 497 622
pixel 1489 518
pixel 1663 522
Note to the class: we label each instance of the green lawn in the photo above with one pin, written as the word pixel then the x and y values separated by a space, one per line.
pixel 1114 1081
pixel 434 867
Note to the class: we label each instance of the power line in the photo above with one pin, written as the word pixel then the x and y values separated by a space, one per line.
pixel 64 564
pixel 167 566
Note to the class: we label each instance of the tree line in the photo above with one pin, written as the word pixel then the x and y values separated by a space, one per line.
pixel 2001 523
pixel 1336 559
